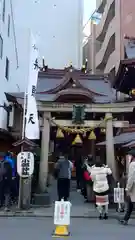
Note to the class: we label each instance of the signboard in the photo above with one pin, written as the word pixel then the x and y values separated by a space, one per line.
pixel 78 114
pixel 25 164
pixel 62 213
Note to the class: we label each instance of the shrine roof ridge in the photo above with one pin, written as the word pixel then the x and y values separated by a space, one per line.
pixel 126 71
pixel 75 84
pixel 58 73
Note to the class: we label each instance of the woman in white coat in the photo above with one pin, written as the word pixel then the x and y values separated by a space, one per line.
pixel 99 173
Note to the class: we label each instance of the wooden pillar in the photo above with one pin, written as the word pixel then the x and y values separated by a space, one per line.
pixel 110 158
pixel 43 170
pixel 93 148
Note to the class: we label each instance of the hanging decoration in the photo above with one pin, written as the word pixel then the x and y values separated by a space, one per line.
pixel 78 114
pixel 92 136
pixel 77 130
pixel 59 133
pixel 77 140
pixel 132 92
pixel 103 130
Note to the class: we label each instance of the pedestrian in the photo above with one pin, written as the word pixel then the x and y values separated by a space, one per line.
pixel 7 184
pixel 10 159
pixel 90 160
pixel 79 173
pixel 87 184
pixel 99 173
pixel 2 174
pixel 130 187
pixel 63 172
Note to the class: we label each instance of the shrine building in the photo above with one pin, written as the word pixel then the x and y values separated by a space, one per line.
pixel 77 110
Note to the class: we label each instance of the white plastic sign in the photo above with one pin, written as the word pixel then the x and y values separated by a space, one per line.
pixel 25 164
pixel 118 195
pixel 62 213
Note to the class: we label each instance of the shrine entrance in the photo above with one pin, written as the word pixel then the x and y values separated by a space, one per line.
pixel 71 143
pixel 58 93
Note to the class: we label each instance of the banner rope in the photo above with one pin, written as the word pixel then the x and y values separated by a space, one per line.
pixel 78 129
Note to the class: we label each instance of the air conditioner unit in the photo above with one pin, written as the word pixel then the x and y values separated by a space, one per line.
pixel 11 117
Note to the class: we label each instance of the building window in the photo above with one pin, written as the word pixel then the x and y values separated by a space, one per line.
pixel 8 25
pixel 1 46
pixel 3 11
pixel 7 69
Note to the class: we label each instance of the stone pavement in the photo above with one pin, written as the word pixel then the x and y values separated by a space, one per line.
pixel 79 208
pixel 41 228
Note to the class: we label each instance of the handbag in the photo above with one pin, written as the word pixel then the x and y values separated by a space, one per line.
pixel 56 173
pixel 86 175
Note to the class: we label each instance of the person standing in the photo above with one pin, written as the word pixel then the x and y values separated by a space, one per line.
pixel 7 184
pixel 64 170
pixel 87 184
pixel 99 173
pixel 9 158
pixel 90 160
pixel 130 188
pixel 2 174
pixel 79 173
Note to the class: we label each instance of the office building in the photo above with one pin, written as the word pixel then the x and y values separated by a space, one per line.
pixel 117 21
pixel 8 61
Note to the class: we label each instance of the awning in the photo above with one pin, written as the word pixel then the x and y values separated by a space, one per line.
pixel 129 145
pixel 123 138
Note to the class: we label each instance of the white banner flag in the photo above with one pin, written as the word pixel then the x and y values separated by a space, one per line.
pixel 32 123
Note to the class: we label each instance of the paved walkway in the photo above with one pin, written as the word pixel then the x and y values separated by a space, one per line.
pixel 79 208
pixel 80 229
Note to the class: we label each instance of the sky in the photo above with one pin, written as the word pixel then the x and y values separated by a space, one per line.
pixel 89 7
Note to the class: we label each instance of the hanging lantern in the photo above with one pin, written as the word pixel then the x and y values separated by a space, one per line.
pixel 133 92
pixel 108 118
pixel 77 140
pixel 84 134
pixel 92 136
pixel 59 133
pixel 103 130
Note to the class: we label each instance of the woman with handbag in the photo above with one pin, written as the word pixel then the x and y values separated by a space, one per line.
pixel 99 173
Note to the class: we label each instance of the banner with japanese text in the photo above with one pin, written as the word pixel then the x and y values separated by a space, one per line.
pixel 32 130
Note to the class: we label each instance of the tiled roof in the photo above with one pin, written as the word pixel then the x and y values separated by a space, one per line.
pixel 52 79
pixel 47 84
pixel 130 144
pixel 101 87
pixel 123 138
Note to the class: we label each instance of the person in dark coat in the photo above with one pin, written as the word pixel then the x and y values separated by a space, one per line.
pixel 7 184
pixel 79 172
pixel 2 174
pixel 87 182
pixel 63 168
pixel 90 160
pixel 84 184
pixel 14 190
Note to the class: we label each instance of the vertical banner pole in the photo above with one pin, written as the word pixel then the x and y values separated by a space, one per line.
pixel 30 126
pixel 21 182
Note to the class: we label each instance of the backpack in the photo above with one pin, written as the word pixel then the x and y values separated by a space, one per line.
pixel 7 171
pixel 2 170
pixel 56 173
